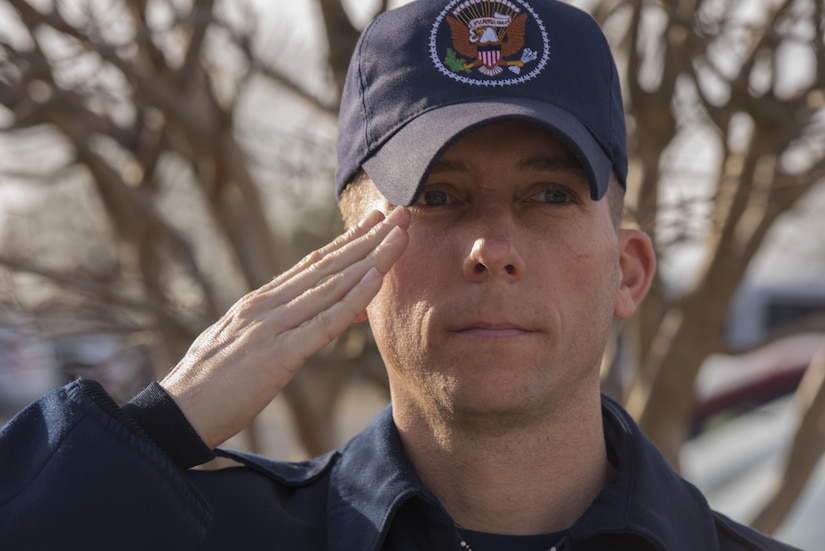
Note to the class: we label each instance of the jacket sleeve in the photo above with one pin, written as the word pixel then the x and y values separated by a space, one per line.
pixel 77 472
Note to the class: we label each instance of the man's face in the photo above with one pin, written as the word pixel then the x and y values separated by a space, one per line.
pixel 504 298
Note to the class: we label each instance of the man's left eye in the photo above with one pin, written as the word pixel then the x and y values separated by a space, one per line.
pixel 433 198
pixel 555 196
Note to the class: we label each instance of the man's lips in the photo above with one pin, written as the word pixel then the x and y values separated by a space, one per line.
pixel 493 329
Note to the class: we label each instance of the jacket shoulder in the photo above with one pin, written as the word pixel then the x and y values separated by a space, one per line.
pixel 288 473
pixel 734 536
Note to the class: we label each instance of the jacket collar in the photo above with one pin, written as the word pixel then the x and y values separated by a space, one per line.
pixel 646 498
pixel 369 483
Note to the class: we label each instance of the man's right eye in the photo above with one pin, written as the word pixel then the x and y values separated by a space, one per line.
pixel 433 198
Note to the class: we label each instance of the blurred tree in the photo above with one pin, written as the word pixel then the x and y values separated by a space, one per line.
pixel 807 448
pixel 127 113
pixel 719 71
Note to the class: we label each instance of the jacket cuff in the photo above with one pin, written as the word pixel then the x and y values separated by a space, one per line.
pixel 159 416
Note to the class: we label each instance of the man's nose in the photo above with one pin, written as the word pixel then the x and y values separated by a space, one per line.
pixel 494 256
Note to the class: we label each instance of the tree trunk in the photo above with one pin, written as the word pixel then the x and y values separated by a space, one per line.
pixel 807 449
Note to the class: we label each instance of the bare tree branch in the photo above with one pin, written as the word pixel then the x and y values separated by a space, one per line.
pixel 807 448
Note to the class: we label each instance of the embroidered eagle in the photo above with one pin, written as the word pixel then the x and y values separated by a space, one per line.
pixel 489 42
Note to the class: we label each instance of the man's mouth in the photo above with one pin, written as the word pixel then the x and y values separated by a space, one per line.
pixel 493 329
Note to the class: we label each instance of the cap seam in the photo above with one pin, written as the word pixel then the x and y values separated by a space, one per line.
pixel 368 142
pixel 610 111
pixel 611 123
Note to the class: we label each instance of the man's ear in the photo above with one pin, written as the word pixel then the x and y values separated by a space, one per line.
pixel 637 262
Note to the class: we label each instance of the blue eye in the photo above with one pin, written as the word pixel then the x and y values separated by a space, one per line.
pixel 433 198
pixel 554 196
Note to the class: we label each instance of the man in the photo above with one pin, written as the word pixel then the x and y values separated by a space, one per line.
pixel 482 146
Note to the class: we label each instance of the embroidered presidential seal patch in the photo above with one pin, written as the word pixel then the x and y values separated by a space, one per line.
pixel 489 42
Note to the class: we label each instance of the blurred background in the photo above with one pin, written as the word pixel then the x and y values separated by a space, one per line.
pixel 161 158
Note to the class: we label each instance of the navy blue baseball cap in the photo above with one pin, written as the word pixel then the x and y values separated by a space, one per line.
pixel 429 72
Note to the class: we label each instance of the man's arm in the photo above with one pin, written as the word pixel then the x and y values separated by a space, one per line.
pixel 76 472
pixel 75 468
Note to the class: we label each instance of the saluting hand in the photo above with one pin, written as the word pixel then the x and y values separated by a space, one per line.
pixel 239 364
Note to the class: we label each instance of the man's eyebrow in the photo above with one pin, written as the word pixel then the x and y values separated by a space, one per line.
pixel 443 165
pixel 560 163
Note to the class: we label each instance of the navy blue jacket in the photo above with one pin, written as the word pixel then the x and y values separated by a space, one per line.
pixel 76 472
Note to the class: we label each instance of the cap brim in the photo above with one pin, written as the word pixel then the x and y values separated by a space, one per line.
pixel 401 165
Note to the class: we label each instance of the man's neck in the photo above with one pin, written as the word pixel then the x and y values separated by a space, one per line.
pixel 528 479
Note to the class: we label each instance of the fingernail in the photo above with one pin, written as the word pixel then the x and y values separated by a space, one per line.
pixel 395 216
pixel 370 220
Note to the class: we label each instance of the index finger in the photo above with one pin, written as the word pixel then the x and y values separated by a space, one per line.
pixel 361 228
